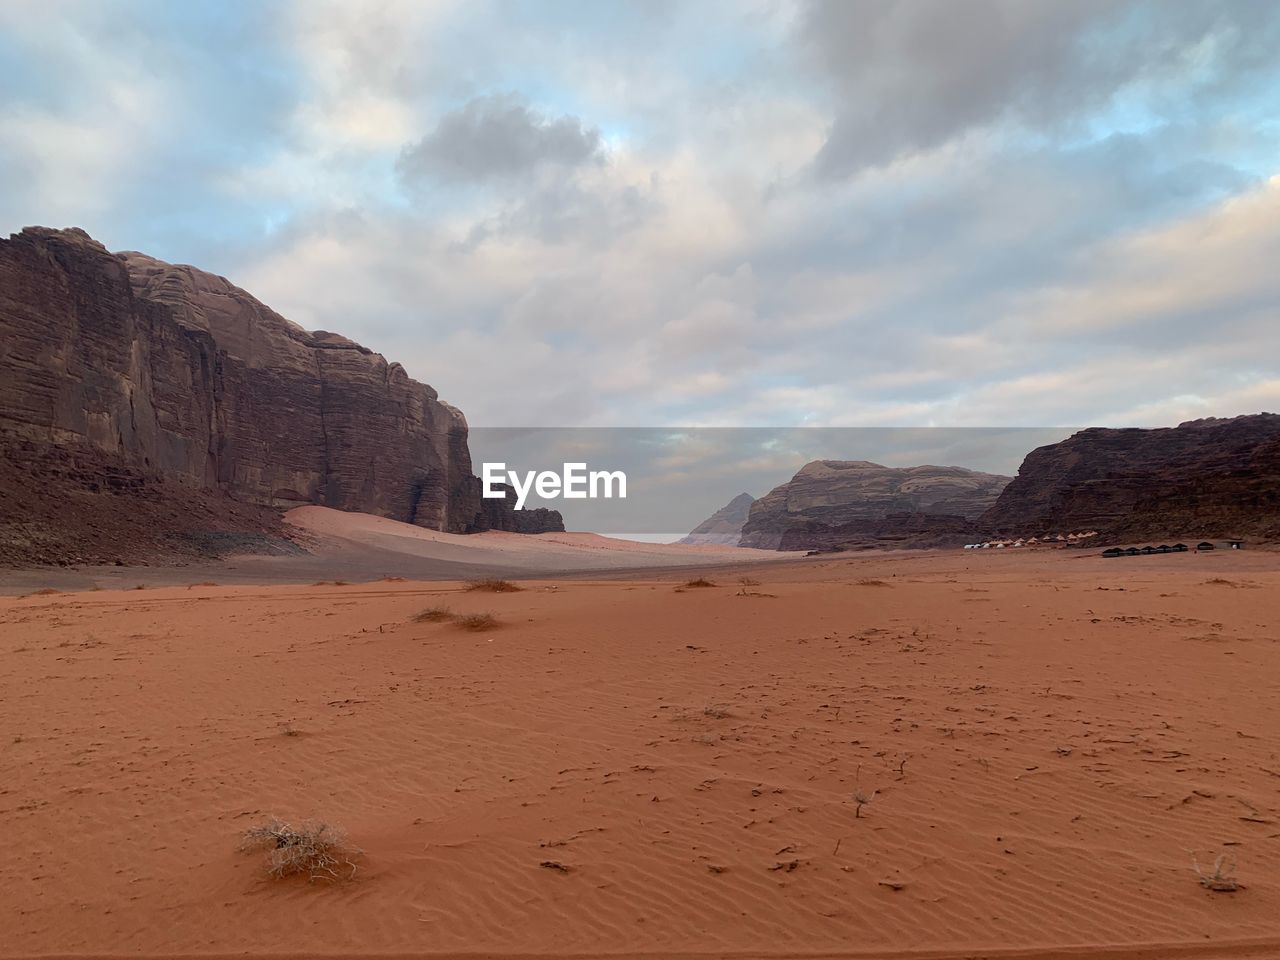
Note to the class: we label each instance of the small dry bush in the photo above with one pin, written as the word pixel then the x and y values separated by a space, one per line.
pixel 316 849
pixel 45 592
pixel 433 615
pixel 476 622
pixel 871 582
pixel 745 585
pixel 493 585
pixel 699 582
pixel 1222 877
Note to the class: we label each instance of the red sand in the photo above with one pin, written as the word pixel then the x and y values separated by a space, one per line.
pixel 1047 737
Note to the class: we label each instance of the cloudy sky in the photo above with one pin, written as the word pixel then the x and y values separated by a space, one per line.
pixel 753 213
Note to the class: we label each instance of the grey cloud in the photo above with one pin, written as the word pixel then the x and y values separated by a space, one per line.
pixel 495 137
pixel 913 75
pixel 699 276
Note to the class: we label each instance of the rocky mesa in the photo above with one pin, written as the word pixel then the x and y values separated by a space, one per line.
pixel 124 376
pixel 833 504
pixel 724 527
pixel 1205 478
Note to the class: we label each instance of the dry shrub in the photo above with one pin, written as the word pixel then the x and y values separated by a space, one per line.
pixel 871 582
pixel 317 849
pixel 493 585
pixel 202 583
pixel 744 588
pixel 699 582
pixel 44 592
pixel 433 615
pixel 476 622
pixel 1222 879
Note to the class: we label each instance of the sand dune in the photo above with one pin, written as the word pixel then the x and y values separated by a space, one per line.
pixel 361 547
pixel 630 768
pixel 544 552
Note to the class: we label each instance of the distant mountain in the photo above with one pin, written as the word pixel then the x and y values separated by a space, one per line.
pixel 1204 478
pixel 143 404
pixel 855 503
pixel 724 527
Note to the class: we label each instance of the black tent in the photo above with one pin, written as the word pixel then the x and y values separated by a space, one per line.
pixel 1113 552
pixel 1204 545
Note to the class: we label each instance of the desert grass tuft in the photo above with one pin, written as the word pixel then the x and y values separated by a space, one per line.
pixel 477 622
pixel 433 615
pixel 493 585
pixel 699 582
pixel 316 849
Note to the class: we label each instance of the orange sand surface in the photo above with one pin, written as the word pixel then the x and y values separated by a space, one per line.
pixel 629 768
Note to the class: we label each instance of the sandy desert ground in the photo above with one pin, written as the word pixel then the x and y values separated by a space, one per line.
pixel 629 768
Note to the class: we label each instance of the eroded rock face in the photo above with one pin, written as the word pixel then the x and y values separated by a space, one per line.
pixel 724 527
pixel 177 372
pixel 1205 478
pixel 852 503
pixel 894 531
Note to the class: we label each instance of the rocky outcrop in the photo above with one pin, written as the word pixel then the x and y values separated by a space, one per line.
pixel 724 527
pixel 894 531
pixel 851 503
pixel 177 374
pixel 1205 478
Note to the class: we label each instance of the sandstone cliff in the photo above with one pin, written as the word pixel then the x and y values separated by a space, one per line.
pixel 176 376
pixel 851 503
pixel 1204 478
pixel 724 527
pixel 893 531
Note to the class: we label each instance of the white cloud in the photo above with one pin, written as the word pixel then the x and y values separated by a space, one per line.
pixel 617 220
